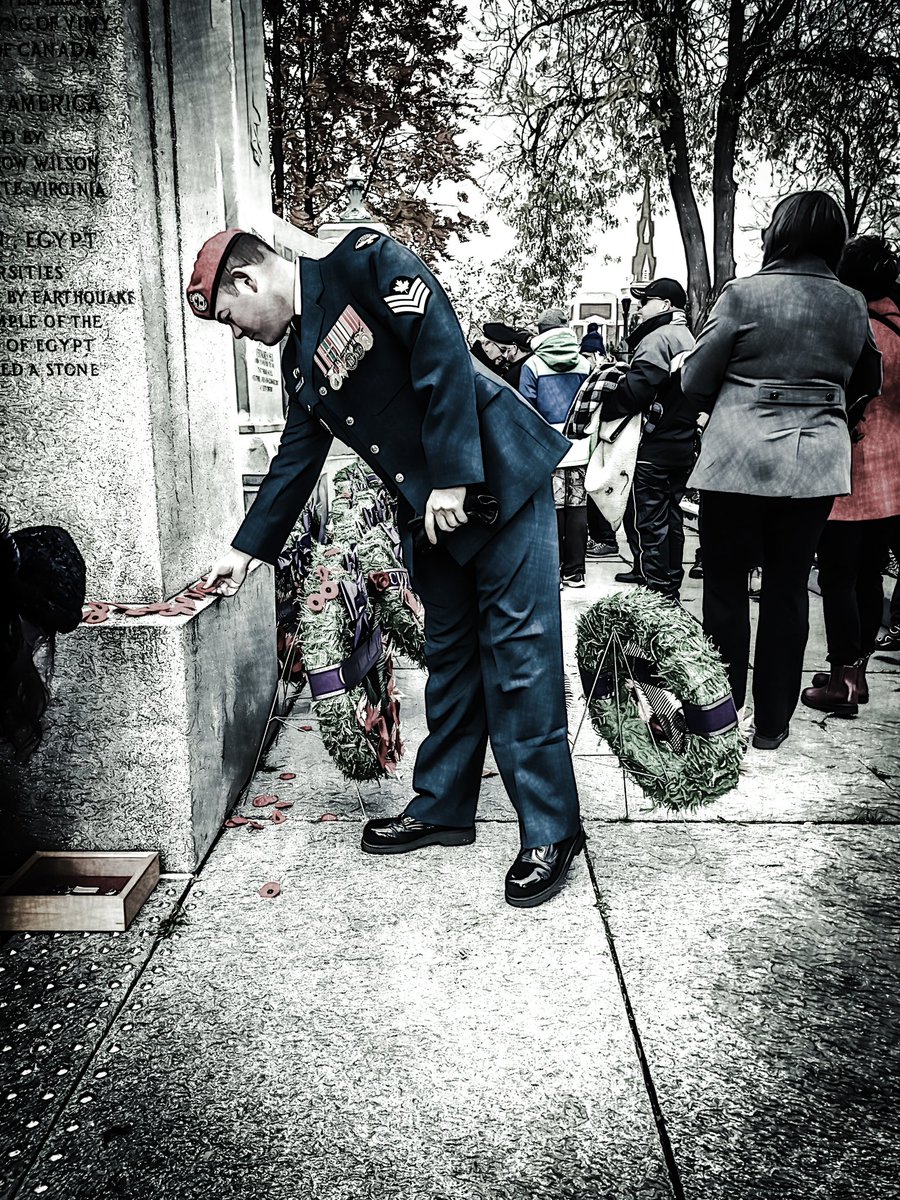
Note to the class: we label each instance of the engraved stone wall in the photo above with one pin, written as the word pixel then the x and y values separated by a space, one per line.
pixel 128 133
pixel 130 130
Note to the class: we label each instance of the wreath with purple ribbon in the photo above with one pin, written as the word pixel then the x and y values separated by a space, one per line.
pixel 658 694
pixel 350 677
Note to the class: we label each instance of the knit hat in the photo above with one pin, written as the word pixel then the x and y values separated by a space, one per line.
pixel 201 291
pixel 551 318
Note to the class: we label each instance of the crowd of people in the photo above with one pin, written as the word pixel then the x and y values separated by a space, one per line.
pixel 783 415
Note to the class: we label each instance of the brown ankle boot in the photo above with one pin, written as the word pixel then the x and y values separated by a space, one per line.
pixel 862 684
pixel 839 695
pixel 820 679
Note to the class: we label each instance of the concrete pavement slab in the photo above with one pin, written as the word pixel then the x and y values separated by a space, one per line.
pixel 387 1028
pixel 763 967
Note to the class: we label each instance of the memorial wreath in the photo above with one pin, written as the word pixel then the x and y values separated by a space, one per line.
pixel 350 677
pixel 658 694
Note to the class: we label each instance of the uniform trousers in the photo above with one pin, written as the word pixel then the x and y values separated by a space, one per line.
pixel 738 532
pixel 852 556
pixel 493 646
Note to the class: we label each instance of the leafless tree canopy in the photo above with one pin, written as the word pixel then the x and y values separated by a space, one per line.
pixel 689 91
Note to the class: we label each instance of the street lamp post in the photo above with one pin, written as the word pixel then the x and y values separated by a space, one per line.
pixel 625 301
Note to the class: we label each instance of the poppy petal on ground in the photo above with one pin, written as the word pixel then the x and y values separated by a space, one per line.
pixel 236 822
pixel 287 775
pixel 278 817
pixel 328 817
pixel 263 801
pixel 269 891
pixel 284 803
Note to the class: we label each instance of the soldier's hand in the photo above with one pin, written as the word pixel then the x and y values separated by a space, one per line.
pixel 444 511
pixel 229 572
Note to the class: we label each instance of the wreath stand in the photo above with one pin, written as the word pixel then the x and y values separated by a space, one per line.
pixel 656 691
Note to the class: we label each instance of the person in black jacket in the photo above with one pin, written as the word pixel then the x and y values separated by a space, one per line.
pixel 515 345
pixel 666 451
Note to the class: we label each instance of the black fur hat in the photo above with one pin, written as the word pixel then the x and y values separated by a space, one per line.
pixel 47 575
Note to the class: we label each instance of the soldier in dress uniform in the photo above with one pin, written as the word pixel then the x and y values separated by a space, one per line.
pixel 375 356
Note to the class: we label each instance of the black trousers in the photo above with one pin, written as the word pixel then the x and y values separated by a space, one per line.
pixel 739 532
pixel 630 532
pixel 599 529
pixel 852 556
pixel 571 526
pixel 659 525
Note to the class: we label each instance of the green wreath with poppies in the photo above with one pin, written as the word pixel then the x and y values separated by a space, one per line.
pixel 658 694
pixel 363 516
pixel 350 676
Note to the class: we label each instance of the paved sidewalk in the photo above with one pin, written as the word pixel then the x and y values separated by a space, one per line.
pixel 709 1010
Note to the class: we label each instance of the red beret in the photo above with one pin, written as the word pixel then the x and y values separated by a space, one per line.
pixel 208 268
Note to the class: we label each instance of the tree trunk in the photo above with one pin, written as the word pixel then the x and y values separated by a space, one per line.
pixel 724 191
pixel 276 107
pixel 673 137
pixel 728 122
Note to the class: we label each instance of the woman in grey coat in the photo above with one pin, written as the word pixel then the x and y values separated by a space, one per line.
pixel 773 365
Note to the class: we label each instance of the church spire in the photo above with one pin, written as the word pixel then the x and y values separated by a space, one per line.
pixel 643 265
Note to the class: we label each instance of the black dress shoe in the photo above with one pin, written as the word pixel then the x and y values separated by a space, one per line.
pixel 540 873
pixel 889 640
pixel 770 743
pixel 631 576
pixel 396 835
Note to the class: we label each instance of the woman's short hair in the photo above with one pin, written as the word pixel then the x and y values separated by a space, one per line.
pixel 870 264
pixel 806 224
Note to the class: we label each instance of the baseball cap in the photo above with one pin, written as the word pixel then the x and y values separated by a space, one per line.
pixel 201 291
pixel 664 289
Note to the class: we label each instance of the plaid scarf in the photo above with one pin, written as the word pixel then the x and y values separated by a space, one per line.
pixel 605 378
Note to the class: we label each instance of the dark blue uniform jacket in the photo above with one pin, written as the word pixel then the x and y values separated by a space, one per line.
pixel 380 362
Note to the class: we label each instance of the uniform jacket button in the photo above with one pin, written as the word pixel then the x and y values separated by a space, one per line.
pixel 323 391
pixel 399 477
pixel 375 449
pixel 349 420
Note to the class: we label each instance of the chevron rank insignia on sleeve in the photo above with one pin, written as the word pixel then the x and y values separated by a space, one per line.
pixel 408 296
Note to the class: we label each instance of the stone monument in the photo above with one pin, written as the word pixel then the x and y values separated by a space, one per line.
pixel 129 131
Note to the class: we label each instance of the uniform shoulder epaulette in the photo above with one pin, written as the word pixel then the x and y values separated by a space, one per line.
pixel 363 239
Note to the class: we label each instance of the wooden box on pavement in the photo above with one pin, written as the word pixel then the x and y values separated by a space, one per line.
pixel 34 898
